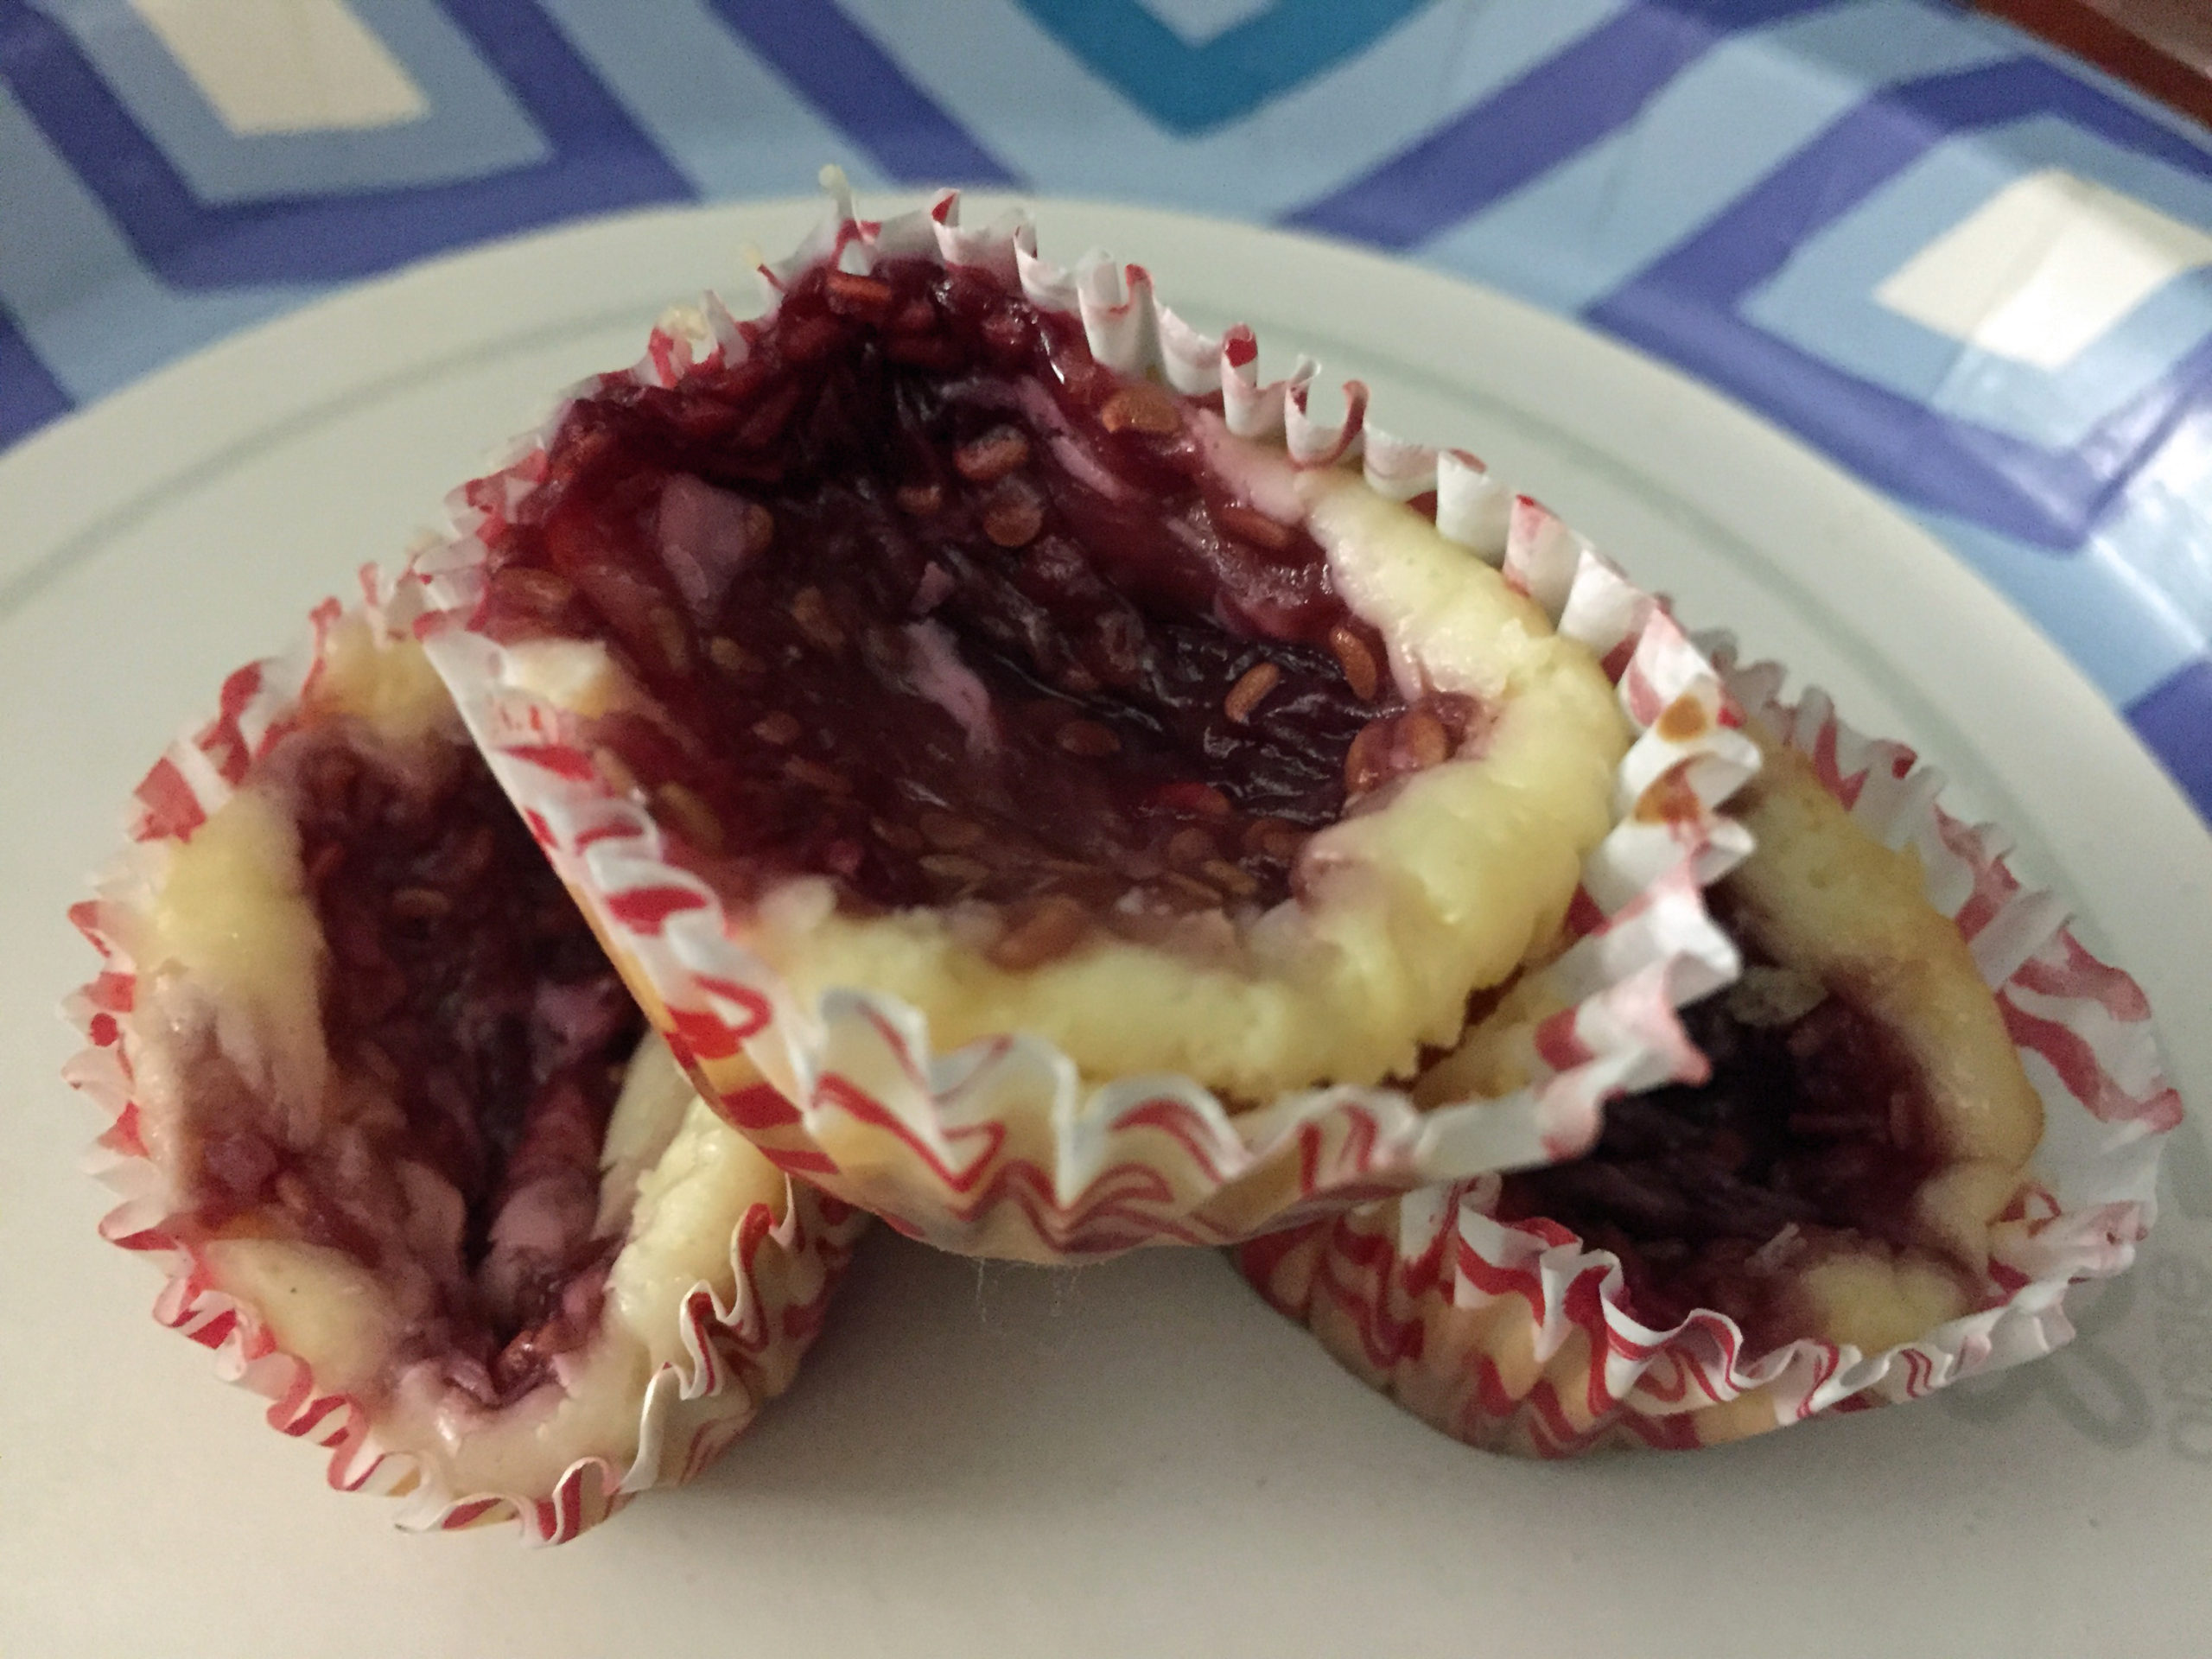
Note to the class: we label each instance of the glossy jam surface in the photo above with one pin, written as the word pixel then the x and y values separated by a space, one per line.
pixel 1810 1132
pixel 477 1032
pixel 946 611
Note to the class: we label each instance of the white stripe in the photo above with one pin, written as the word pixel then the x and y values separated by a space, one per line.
pixel 1196 22
pixel 2044 268
pixel 286 65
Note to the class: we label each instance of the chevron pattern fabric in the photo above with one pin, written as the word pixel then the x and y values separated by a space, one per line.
pixel 1976 275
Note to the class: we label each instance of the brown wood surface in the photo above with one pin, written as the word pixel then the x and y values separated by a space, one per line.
pixel 2164 46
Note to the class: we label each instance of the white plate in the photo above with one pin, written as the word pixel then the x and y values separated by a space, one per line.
pixel 1133 1458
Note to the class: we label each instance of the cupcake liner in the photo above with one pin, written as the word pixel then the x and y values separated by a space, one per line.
pixel 1000 1148
pixel 738 1352
pixel 1515 1337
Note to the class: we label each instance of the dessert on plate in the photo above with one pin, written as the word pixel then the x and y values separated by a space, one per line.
pixel 412 1157
pixel 1859 1202
pixel 963 747
pixel 969 697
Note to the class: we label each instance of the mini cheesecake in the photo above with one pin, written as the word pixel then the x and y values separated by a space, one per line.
pixel 1085 786
pixel 389 1098
pixel 1867 1120
pixel 1859 1202
pixel 969 671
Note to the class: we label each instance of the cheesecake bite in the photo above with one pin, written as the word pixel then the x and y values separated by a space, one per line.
pixel 966 669
pixel 1861 1203
pixel 1867 1120
pixel 1084 784
pixel 396 1106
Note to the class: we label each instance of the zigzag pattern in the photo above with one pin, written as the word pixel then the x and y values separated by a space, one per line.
pixel 1688 175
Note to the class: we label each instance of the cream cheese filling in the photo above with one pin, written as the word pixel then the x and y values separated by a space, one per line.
pixel 234 934
pixel 231 939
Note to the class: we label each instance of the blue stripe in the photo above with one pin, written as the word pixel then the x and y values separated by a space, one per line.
pixel 1193 89
pixel 472 125
pixel 92 313
pixel 30 395
pixel 1683 308
pixel 711 103
pixel 1572 237
pixel 1824 298
pixel 1557 110
pixel 599 161
pixel 2176 722
pixel 2120 620
pixel 826 58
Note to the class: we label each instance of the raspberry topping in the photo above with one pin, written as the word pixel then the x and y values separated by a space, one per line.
pixel 478 1037
pixel 1812 1134
pixel 936 607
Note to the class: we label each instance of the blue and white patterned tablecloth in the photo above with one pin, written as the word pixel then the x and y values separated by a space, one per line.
pixel 1978 274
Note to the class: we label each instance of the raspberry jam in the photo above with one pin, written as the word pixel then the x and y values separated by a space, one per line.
pixel 943 610
pixel 1811 1134
pixel 463 985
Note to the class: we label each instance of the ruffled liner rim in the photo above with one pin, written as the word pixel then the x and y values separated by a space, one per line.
pixel 738 1354
pixel 2082 1029
pixel 1644 944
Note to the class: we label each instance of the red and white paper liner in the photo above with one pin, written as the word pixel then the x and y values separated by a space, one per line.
pixel 1516 1338
pixel 1000 1148
pixel 738 1353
